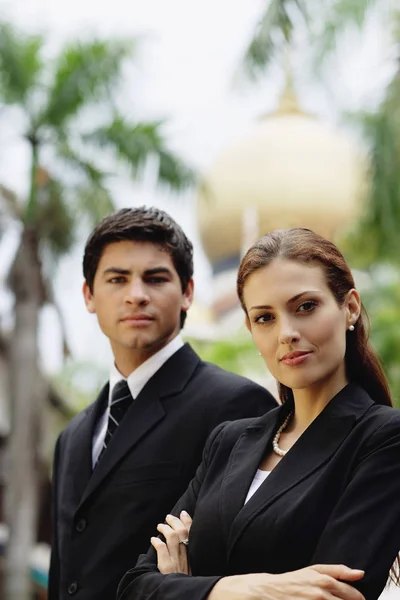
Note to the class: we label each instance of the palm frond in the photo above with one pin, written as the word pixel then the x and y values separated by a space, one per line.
pixel 92 202
pixel 261 49
pixel 391 104
pixel 173 172
pixel 274 28
pixel 384 210
pixel 395 20
pixel 10 202
pixel 54 220
pixel 135 144
pixel 20 64
pixel 382 301
pixel 339 16
pixel 303 9
pixel 77 163
pixel 352 13
pixel 84 74
pixel 376 235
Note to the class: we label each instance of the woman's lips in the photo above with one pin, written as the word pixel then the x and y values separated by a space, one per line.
pixel 292 359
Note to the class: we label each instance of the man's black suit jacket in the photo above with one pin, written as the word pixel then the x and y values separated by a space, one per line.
pixel 104 519
pixel 334 498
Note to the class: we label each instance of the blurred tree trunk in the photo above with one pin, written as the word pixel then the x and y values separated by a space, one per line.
pixel 50 96
pixel 21 500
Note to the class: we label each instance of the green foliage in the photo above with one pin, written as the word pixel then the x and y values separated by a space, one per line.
pixel 376 236
pixel 52 96
pixel 135 143
pixel 79 383
pixel 323 23
pixel 9 204
pixel 92 203
pixel 20 64
pixel 273 33
pixel 238 354
pixel 174 172
pixel 78 164
pixel 262 47
pixel 261 50
pixel 382 302
pixel 54 220
pixel 338 15
pixel 84 73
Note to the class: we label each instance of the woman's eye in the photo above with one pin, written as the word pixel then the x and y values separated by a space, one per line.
pixel 307 306
pixel 263 319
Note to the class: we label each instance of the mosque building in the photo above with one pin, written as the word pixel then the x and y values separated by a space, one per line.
pixel 291 169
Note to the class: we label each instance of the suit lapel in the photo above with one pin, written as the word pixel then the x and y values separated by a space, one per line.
pixel 145 413
pixel 80 465
pixel 245 458
pixel 314 448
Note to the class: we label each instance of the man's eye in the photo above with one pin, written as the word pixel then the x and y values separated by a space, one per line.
pixel 156 279
pixel 119 279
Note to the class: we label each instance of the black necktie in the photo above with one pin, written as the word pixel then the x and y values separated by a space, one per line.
pixel 121 400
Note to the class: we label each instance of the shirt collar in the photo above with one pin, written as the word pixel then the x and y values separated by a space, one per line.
pixel 140 376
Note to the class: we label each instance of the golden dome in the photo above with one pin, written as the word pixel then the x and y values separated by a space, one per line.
pixel 293 169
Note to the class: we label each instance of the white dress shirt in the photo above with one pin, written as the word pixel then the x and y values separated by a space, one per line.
pixel 136 382
pixel 259 477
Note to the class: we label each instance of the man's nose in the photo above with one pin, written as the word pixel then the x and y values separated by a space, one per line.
pixel 137 292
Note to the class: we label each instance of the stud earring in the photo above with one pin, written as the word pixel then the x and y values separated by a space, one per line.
pixel 259 354
pixel 351 328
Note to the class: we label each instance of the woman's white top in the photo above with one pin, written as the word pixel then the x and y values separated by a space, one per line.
pixel 259 477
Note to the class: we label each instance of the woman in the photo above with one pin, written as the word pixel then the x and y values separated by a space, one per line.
pixel 315 481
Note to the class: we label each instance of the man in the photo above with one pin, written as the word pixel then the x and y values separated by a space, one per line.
pixel 122 463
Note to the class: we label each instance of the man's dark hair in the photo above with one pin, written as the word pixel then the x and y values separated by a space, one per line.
pixel 142 224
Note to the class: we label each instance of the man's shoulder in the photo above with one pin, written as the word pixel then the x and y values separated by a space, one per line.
pixel 237 394
pixel 76 421
pixel 223 377
pixel 187 361
pixel 85 413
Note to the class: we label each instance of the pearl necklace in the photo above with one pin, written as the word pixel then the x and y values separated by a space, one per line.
pixel 275 445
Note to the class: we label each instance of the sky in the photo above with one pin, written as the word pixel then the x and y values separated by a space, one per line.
pixel 184 71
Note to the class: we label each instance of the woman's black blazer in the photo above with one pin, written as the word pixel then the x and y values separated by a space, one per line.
pixel 334 498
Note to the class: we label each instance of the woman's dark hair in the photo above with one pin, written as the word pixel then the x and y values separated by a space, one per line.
pixel 303 245
pixel 142 224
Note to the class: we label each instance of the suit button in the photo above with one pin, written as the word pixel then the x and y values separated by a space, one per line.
pixel 81 525
pixel 73 588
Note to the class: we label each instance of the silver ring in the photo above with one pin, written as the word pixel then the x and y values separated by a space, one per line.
pixel 185 542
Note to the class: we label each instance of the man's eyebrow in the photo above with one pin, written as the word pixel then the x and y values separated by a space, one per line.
pixel 158 270
pixel 117 270
pixel 148 272
pixel 290 301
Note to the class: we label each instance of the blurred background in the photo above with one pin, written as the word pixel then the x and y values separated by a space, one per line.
pixel 234 117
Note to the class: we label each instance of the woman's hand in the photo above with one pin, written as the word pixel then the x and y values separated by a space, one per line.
pixel 311 583
pixel 172 555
